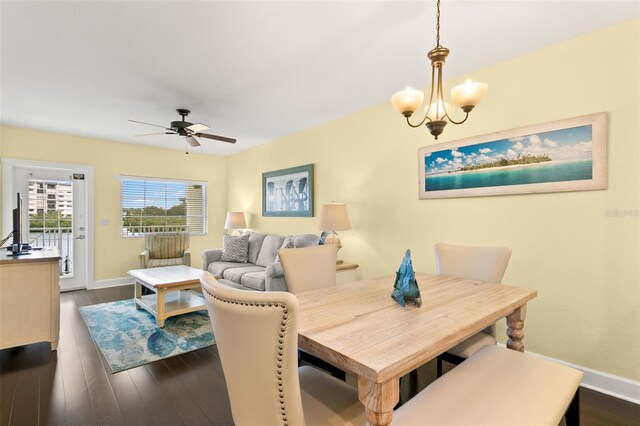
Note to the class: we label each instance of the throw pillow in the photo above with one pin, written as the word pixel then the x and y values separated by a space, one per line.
pixel 287 243
pixel 235 249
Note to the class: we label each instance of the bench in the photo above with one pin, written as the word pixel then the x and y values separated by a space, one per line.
pixel 497 386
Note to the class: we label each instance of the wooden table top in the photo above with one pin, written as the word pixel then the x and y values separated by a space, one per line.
pixel 168 276
pixel 360 328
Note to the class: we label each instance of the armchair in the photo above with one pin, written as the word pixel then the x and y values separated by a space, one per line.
pixel 165 249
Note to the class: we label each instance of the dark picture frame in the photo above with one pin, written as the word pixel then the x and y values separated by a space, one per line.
pixel 288 192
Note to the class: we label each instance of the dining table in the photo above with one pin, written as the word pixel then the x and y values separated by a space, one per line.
pixel 359 328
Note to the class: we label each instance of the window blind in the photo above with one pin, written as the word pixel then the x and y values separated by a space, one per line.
pixel 160 205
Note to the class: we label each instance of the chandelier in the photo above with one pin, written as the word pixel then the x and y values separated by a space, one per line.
pixel 438 112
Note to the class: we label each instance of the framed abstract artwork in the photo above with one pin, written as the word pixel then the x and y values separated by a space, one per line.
pixel 564 155
pixel 288 192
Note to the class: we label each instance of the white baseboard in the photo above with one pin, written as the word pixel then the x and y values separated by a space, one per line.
pixel 599 381
pixel 114 282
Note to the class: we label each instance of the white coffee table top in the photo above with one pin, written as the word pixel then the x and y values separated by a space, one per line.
pixel 167 276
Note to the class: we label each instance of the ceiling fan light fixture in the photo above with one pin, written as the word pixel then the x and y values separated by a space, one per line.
pixel 193 142
pixel 186 129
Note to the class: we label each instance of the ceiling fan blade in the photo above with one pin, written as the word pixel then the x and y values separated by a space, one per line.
pixel 149 124
pixel 198 127
pixel 193 142
pixel 215 137
pixel 161 133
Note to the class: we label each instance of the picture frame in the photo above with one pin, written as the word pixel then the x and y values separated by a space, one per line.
pixel 288 192
pixel 559 156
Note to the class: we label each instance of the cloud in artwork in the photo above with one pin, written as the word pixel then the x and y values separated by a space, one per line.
pixel 440 160
pixel 576 151
pixel 511 153
pixel 457 154
pixel 550 143
pixel 518 146
pixel 485 150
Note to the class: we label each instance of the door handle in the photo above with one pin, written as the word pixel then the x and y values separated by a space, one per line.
pixel 80 237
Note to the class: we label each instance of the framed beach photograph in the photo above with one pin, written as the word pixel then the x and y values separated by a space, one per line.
pixel 564 155
pixel 288 192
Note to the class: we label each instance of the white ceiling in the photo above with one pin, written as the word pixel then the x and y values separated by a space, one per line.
pixel 255 71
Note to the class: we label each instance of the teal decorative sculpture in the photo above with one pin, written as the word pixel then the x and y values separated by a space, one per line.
pixel 406 286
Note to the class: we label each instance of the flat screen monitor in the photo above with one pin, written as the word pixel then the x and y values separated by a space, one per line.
pixel 17 225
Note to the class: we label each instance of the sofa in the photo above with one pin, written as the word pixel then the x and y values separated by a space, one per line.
pixel 262 271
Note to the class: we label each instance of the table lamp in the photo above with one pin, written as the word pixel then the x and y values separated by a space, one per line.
pixel 235 221
pixel 334 217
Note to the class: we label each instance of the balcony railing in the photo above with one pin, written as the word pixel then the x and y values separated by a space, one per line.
pixel 61 237
pixel 133 231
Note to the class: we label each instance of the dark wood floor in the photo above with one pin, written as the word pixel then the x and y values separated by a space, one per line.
pixel 73 386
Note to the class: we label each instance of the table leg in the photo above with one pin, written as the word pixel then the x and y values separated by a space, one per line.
pixel 515 324
pixel 160 312
pixel 378 399
pixel 137 292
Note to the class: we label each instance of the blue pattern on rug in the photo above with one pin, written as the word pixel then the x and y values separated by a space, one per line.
pixel 129 337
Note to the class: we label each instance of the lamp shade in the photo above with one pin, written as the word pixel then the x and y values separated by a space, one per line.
pixel 334 217
pixel 407 100
pixel 468 93
pixel 235 220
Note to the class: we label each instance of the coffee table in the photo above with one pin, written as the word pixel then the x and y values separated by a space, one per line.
pixel 167 284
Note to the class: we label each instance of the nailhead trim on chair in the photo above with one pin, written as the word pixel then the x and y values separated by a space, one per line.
pixel 283 410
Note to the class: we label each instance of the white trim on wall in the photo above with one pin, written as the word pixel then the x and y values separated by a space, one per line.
pixel 112 282
pixel 599 381
pixel 8 166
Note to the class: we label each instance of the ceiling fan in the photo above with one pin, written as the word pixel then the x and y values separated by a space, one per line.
pixel 189 130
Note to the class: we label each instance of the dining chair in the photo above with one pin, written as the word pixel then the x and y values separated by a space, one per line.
pixel 476 263
pixel 257 336
pixel 306 269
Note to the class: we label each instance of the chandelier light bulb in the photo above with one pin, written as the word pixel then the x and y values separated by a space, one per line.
pixel 436 111
pixel 407 101
pixel 468 94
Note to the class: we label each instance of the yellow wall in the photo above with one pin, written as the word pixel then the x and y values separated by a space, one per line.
pixel 115 255
pixel 584 264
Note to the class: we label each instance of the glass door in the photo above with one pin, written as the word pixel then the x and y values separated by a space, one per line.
pixel 54 203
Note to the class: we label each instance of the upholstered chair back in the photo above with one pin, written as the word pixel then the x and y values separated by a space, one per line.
pixel 475 263
pixel 166 245
pixel 309 268
pixel 257 337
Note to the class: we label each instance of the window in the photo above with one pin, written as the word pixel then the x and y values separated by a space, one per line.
pixel 160 205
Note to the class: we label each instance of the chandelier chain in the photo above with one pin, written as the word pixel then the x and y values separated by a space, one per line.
pixel 438 24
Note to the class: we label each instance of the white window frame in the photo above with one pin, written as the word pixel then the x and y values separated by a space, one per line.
pixel 205 213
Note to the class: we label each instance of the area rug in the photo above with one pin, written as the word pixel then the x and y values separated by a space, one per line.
pixel 129 337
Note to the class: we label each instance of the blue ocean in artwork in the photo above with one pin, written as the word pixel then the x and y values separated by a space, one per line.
pixel 546 157
pixel 538 173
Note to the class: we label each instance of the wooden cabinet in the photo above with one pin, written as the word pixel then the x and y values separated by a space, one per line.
pixel 30 298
